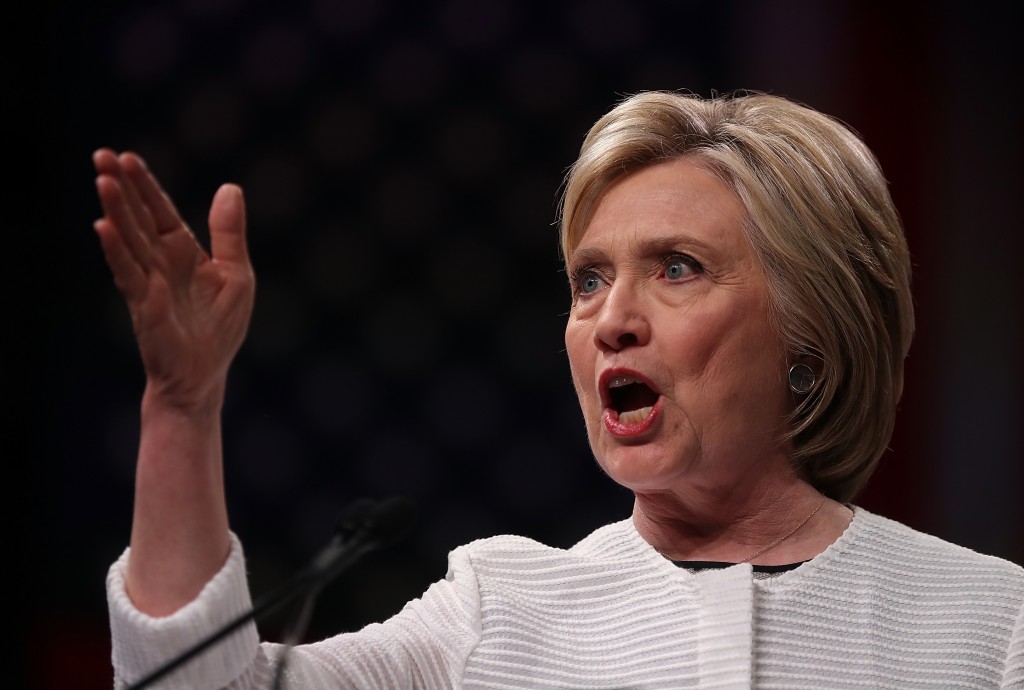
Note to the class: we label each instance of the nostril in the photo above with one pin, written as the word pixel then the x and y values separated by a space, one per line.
pixel 618 328
pixel 614 342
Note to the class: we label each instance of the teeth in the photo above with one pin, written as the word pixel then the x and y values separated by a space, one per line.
pixel 620 381
pixel 635 416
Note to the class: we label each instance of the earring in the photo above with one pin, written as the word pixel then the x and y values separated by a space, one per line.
pixel 801 379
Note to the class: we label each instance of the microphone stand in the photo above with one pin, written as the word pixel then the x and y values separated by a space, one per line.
pixel 366 526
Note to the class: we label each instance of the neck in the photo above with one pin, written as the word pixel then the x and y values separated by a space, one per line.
pixel 732 528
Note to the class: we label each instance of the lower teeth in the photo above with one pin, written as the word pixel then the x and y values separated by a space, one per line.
pixel 634 416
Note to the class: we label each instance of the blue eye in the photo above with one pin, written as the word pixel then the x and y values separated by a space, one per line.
pixel 589 283
pixel 680 267
pixel 585 281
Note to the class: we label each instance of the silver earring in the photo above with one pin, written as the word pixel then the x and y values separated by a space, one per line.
pixel 801 379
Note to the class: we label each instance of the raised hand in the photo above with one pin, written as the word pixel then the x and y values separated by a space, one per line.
pixel 189 311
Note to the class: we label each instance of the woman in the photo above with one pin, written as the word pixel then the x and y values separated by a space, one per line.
pixel 740 314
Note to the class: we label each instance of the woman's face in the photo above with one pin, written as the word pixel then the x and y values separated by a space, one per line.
pixel 679 374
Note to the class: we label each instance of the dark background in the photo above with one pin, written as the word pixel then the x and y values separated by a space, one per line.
pixel 402 164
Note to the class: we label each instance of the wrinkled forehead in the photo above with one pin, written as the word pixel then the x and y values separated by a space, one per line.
pixel 577 218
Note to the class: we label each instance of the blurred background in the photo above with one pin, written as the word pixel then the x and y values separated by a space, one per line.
pixel 402 163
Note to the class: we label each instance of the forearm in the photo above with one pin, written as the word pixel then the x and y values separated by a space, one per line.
pixel 179 534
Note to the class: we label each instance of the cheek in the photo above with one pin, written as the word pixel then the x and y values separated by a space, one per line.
pixel 742 364
pixel 581 365
pixel 576 344
pixel 697 344
pixel 725 352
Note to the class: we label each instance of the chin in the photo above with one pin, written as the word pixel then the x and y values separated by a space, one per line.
pixel 641 469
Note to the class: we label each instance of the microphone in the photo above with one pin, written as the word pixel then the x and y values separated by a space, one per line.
pixel 367 525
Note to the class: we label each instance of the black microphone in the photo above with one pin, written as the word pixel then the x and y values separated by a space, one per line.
pixel 367 525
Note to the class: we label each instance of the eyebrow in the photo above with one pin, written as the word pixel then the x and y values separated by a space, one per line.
pixel 587 255
pixel 647 247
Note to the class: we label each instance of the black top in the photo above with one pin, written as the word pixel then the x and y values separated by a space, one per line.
pixel 709 565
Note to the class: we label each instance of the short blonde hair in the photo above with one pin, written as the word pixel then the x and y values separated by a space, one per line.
pixel 822 223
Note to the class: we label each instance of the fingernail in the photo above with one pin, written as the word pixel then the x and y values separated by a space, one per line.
pixel 235 190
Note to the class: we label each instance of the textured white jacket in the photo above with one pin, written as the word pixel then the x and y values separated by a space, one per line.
pixel 883 607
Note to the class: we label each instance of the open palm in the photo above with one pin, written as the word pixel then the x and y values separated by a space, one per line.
pixel 190 310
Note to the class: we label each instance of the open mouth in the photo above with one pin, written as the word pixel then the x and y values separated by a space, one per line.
pixel 631 398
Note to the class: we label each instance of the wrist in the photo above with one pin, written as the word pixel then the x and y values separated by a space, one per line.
pixel 195 405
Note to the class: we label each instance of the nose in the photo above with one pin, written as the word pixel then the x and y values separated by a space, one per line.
pixel 621 323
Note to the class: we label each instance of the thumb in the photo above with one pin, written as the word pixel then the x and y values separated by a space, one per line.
pixel 227 225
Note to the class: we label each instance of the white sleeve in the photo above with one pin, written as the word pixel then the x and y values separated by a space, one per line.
pixel 141 643
pixel 426 645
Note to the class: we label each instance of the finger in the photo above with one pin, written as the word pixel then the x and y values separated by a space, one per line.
pixel 121 219
pixel 107 162
pixel 128 275
pixel 156 200
pixel 133 195
pixel 227 226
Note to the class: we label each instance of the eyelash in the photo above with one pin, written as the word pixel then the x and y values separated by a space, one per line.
pixel 578 273
pixel 681 258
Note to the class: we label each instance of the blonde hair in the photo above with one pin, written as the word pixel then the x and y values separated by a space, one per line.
pixel 821 222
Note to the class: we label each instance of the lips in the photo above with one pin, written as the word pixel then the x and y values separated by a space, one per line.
pixel 631 402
